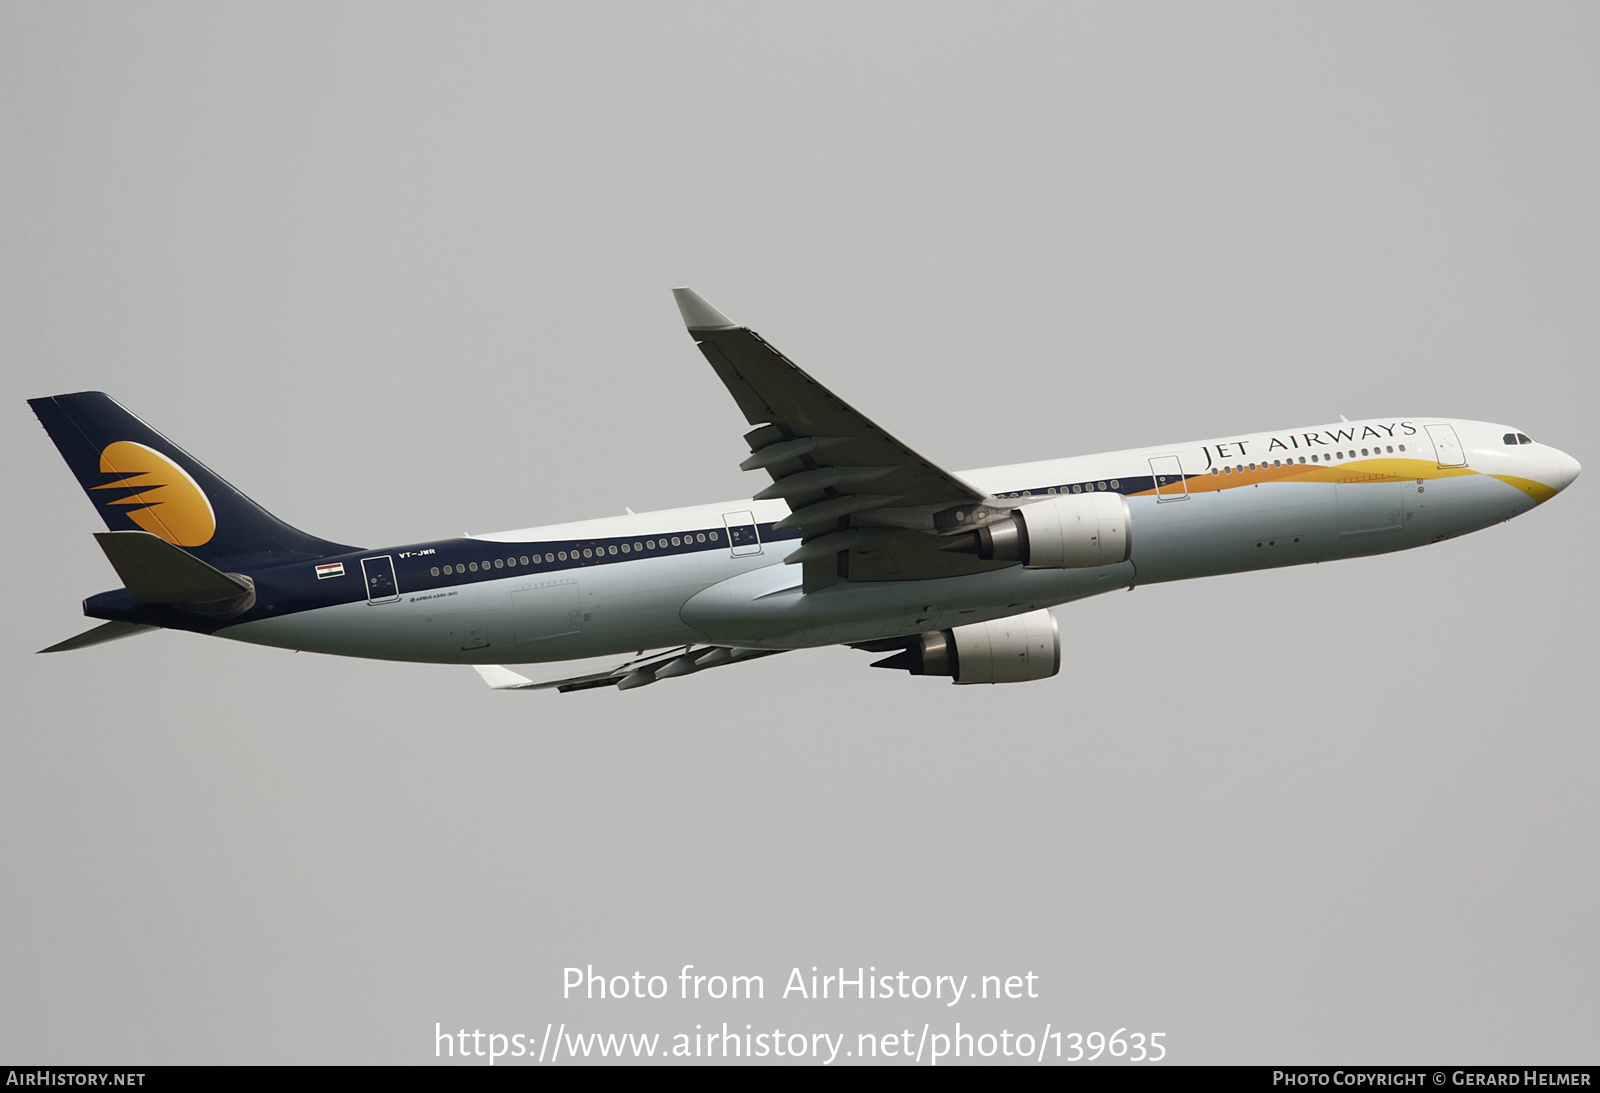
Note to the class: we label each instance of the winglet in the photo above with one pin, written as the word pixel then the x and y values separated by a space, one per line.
pixel 502 679
pixel 699 315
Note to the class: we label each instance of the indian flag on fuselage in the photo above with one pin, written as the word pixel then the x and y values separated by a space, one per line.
pixel 331 569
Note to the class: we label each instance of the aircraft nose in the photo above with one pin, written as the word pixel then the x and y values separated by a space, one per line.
pixel 1566 470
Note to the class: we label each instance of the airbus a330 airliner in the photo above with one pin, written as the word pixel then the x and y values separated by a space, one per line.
pixel 858 540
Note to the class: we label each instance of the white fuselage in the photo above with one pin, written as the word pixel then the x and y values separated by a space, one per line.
pixel 1210 507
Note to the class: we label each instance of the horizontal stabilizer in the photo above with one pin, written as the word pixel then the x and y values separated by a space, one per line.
pixel 155 571
pixel 106 631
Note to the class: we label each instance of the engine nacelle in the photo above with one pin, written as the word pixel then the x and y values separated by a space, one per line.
pixel 1012 650
pixel 1078 531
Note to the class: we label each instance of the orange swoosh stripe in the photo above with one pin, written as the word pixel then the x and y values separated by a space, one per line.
pixel 1360 470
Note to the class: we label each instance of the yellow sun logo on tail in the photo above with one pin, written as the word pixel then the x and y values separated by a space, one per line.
pixel 171 504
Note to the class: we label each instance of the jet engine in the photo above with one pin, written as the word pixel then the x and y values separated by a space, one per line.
pixel 1012 650
pixel 1077 531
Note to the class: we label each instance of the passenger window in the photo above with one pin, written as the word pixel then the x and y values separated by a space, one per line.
pixel 1114 483
pixel 434 572
pixel 473 566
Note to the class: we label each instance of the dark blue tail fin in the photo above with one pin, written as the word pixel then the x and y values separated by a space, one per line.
pixel 141 481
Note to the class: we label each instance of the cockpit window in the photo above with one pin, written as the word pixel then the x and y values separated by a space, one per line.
pixel 1524 438
pixel 1510 438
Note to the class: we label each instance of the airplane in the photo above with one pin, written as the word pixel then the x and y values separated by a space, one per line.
pixel 857 540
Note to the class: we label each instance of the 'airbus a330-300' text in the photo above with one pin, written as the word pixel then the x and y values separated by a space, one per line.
pixel 858 540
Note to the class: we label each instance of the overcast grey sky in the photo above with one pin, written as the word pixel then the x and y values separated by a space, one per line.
pixel 401 271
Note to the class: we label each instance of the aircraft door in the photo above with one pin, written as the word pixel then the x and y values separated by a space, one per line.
pixel 1447 449
pixel 743 539
pixel 379 575
pixel 1167 473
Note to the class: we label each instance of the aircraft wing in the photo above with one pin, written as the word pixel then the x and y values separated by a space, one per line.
pixel 681 661
pixel 867 506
